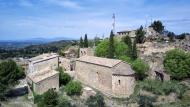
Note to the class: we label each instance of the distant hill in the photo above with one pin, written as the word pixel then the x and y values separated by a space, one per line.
pixel 33 50
pixel 17 44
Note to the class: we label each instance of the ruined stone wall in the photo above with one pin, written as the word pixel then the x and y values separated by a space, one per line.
pixel 86 51
pixel 46 84
pixel 51 63
pixel 123 86
pixel 96 76
pixel 65 63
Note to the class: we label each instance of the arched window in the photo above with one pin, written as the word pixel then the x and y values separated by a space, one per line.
pixel 119 81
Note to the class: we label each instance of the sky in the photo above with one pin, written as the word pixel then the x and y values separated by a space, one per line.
pixel 26 19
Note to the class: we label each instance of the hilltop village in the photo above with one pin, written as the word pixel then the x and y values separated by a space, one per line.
pixel 131 72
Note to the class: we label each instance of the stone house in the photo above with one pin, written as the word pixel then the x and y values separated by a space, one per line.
pixel 41 74
pixel 110 76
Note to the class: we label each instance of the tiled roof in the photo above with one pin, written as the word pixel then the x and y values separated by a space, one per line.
pixel 41 75
pixel 99 61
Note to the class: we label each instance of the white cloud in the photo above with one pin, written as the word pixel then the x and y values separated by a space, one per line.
pixel 65 3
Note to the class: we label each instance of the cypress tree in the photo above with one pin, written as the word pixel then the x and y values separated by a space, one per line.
pixel 127 41
pixel 134 51
pixel 81 44
pixel 111 46
pixel 86 41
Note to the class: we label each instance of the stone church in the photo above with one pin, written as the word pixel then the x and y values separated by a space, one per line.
pixel 110 76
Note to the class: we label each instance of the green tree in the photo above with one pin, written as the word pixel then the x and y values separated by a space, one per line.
pixel 102 49
pixel 95 101
pixel 64 78
pixel 146 101
pixel 73 88
pixel 140 68
pixel 85 41
pixel 157 26
pixel 140 35
pixel 134 51
pixel 171 36
pixel 121 49
pixel 111 49
pixel 50 99
pixel 96 41
pixel 177 64
pixel 81 44
pixel 10 73
pixel 128 42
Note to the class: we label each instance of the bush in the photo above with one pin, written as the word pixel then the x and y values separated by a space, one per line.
pixel 49 99
pixel 177 64
pixel 121 49
pixel 64 102
pixel 126 59
pixel 73 88
pixel 162 88
pixel 146 101
pixel 96 101
pixel 102 49
pixel 64 78
pixel 140 68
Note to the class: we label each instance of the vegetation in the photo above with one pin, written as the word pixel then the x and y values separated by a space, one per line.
pixel 134 51
pixel 111 48
pixel 64 102
pixel 162 88
pixel 140 35
pixel 182 36
pixel 81 43
pixel 85 41
pixel 34 50
pixel 177 64
pixel 102 49
pixel 64 78
pixel 121 49
pixel 96 101
pixel 140 68
pixel 128 42
pixel 10 73
pixel 49 99
pixel 171 36
pixel 96 41
pixel 157 26
pixel 73 88
pixel 146 101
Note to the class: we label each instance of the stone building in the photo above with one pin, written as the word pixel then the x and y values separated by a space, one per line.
pixel 110 76
pixel 86 51
pixel 41 74
pixel 67 64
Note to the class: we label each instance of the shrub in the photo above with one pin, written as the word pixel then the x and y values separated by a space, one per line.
pixel 49 99
pixel 102 49
pixel 64 102
pixel 64 78
pixel 140 68
pixel 126 59
pixel 73 88
pixel 121 49
pixel 146 101
pixel 96 101
pixel 162 88
pixel 177 64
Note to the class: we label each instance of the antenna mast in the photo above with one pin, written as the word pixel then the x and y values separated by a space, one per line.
pixel 113 25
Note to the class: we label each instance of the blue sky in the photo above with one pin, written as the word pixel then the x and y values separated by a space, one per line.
pixel 24 19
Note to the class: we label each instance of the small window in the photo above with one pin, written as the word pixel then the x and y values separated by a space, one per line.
pixel 119 81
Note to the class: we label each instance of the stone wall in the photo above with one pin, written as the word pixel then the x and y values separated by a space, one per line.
pixel 86 51
pixel 123 86
pixel 98 77
pixel 46 84
pixel 65 63
pixel 52 63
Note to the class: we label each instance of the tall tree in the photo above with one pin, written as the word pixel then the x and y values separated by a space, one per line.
pixel 111 46
pixel 140 35
pixel 157 26
pixel 134 51
pixel 81 44
pixel 127 41
pixel 171 36
pixel 85 41
pixel 10 73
